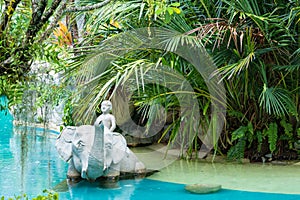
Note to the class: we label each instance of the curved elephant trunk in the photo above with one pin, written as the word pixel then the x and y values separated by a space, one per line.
pixel 96 155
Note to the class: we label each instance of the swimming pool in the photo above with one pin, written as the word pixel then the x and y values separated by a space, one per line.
pixel 29 164
pixel 157 190
pixel 28 160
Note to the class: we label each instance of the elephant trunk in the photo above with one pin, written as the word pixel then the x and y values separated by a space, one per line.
pixel 96 155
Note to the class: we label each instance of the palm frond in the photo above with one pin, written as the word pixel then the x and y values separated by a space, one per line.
pixel 288 68
pixel 230 70
pixel 277 101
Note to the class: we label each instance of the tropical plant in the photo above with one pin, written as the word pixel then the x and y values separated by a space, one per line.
pixel 255 46
pixel 25 27
pixel 48 195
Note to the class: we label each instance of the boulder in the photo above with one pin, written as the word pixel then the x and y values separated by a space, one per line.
pixel 202 188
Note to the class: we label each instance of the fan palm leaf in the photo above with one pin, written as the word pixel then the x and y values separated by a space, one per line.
pixel 277 101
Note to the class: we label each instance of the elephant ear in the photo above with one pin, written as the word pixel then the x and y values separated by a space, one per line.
pixel 119 150
pixel 68 133
pixel 63 143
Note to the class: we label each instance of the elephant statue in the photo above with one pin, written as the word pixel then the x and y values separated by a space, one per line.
pixel 94 151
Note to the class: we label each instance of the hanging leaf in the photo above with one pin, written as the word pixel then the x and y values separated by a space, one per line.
pixel 176 4
pixel 115 23
pixel 167 17
pixel 176 10
pixel 170 10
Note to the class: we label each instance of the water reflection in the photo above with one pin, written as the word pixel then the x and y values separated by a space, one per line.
pixel 121 190
pixel 28 157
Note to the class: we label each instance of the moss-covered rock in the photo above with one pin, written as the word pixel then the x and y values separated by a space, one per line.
pixel 202 188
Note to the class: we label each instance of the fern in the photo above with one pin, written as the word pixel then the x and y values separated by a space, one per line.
pixel 236 152
pixel 288 134
pixel 239 133
pixel 242 134
pixel 271 132
pixel 259 139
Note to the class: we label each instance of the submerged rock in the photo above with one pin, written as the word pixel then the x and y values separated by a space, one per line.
pixel 203 188
pixel 107 182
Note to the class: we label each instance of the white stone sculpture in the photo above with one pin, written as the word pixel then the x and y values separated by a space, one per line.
pixel 96 151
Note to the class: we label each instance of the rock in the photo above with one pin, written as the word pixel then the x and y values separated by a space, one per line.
pixel 297 145
pixel 202 188
pixel 297 163
pixel 276 162
pixel 61 187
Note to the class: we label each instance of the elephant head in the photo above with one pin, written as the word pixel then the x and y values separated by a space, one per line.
pixel 83 148
pixel 64 143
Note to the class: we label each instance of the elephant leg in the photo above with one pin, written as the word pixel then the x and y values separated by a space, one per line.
pixel 140 167
pixel 107 155
pixel 81 156
pixel 72 172
pixel 131 163
pixel 113 171
pixel 84 164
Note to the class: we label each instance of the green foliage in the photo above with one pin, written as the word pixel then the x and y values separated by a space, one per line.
pixel 22 50
pixel 243 135
pixel 288 133
pixel 13 90
pixel 68 113
pixel 159 9
pixel 259 136
pixel 242 132
pixel 236 152
pixel 13 57
pixel 271 132
pixel 48 195
pixel 254 45
pixel 277 101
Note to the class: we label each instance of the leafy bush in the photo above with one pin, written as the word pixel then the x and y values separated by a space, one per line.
pixel 48 195
pixel 242 135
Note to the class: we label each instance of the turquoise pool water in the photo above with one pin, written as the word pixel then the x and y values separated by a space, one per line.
pixel 157 190
pixel 28 160
pixel 29 164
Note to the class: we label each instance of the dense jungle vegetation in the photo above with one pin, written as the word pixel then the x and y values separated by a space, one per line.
pixel 254 44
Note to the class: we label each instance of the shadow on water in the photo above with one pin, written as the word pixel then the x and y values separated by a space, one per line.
pixel 123 189
pixel 102 182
